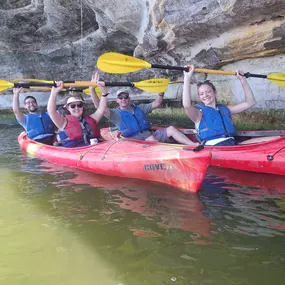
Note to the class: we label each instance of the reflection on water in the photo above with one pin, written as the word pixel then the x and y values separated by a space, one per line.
pixel 66 226
pixel 161 203
pixel 253 205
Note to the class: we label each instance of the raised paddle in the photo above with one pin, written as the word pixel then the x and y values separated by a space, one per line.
pixel 51 82
pixel 112 62
pixel 86 91
pixel 32 88
pixel 48 89
pixel 155 85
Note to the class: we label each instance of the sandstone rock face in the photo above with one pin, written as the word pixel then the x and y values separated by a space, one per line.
pixel 62 39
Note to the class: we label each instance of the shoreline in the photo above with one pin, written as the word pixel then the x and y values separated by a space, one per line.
pixel 166 116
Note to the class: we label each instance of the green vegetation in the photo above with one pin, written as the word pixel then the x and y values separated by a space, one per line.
pixel 170 116
pixel 7 117
pixel 262 120
pixel 6 112
pixel 257 120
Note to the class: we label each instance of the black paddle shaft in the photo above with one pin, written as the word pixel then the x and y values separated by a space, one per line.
pixel 247 75
pixel 187 69
pixel 170 67
pixel 42 84
pixel 130 84
pixel 38 84
pixel 33 84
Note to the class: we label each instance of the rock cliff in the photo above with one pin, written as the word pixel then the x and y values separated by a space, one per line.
pixel 62 39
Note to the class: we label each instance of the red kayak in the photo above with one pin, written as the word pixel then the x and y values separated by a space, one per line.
pixel 263 157
pixel 164 163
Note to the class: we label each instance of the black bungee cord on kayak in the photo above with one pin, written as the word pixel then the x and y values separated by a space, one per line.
pixel 270 157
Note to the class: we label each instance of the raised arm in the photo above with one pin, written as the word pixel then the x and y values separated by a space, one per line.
pixel 194 114
pixel 58 119
pixel 249 100
pixel 16 104
pixel 103 104
pixel 157 102
pixel 94 97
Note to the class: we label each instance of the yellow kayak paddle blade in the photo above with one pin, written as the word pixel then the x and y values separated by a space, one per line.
pixel 155 85
pixel 277 78
pixel 97 89
pixel 113 62
pixel 5 85
pixel 278 82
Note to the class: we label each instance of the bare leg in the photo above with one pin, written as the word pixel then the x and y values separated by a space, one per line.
pixel 178 136
pixel 260 139
pixel 151 139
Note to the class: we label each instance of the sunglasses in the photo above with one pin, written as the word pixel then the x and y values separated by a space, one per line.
pixel 72 106
pixel 30 102
pixel 123 97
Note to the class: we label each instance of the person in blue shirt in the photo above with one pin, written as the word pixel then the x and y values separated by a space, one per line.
pixel 213 121
pixel 132 119
pixel 38 125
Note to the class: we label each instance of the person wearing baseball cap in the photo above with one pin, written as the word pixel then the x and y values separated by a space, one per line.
pixel 76 129
pixel 132 119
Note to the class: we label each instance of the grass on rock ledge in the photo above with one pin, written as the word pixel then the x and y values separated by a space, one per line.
pixel 255 120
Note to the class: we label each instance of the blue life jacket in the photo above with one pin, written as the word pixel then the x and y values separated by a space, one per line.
pixel 79 131
pixel 133 123
pixel 39 124
pixel 215 123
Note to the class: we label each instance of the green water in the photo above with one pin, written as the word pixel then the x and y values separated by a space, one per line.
pixel 65 226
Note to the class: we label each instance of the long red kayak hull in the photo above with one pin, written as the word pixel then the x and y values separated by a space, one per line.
pixel 263 157
pixel 164 163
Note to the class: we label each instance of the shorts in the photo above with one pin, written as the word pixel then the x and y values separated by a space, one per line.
pixel 228 142
pixel 161 135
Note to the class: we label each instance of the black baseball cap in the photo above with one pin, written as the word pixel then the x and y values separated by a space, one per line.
pixel 75 89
